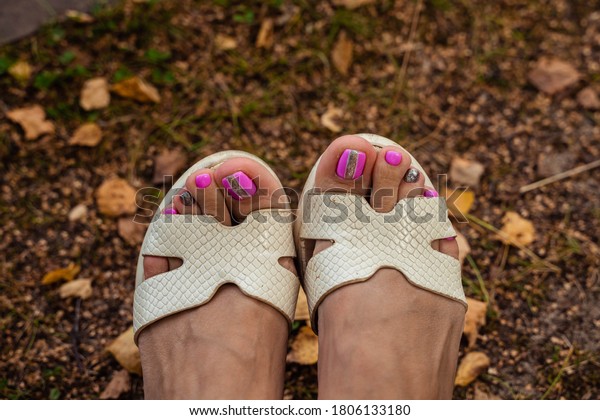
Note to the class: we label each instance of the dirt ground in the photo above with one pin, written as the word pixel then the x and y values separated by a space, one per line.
pixel 445 79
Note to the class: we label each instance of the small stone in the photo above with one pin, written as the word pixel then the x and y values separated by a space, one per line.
pixel 588 98
pixel 78 212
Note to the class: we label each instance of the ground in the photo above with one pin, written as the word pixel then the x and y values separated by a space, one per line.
pixel 444 79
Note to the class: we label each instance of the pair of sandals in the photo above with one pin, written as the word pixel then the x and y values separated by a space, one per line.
pixel 248 255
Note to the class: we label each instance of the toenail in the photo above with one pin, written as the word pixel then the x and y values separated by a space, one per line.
pixel 186 198
pixel 393 158
pixel 450 238
pixel 351 164
pixel 411 175
pixel 202 180
pixel 239 185
pixel 431 193
pixel 170 210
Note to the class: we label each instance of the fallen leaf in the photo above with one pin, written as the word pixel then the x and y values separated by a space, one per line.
pixel 302 313
pixel 224 42
pixel 330 119
pixel 342 53
pixel 116 197
pixel 21 71
pixel 470 367
pixel 94 94
pixel 79 16
pixel 137 89
pixel 463 246
pixel 474 319
pixel 78 212
pixel 352 4
pixel 304 348
pixel 33 121
pixel 81 288
pixel 89 134
pixel 126 352
pixel 553 75
pixel 459 202
pixel 168 163
pixel 481 394
pixel 68 274
pixel 119 384
pixel 132 232
pixel 588 98
pixel 265 34
pixel 549 164
pixel 465 173
pixel 517 230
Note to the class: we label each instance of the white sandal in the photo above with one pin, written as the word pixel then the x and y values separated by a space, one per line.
pixel 213 254
pixel 360 248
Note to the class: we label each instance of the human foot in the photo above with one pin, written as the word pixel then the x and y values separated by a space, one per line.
pixel 233 346
pixel 383 338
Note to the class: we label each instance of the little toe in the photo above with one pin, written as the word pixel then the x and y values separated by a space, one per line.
pixel 412 183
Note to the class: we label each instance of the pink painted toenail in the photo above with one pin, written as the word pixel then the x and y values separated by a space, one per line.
pixel 202 180
pixel 239 185
pixel 393 158
pixel 170 210
pixel 431 193
pixel 450 238
pixel 351 164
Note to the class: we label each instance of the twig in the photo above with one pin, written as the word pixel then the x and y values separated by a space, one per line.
pixel 486 295
pixel 558 177
pixel 560 373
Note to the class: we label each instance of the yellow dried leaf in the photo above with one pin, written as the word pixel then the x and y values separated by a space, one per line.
pixel 352 4
pixel 94 94
pixel 21 71
pixel 302 307
pixel 459 202
pixel 88 134
pixel 330 119
pixel 517 230
pixel 81 288
pixel 305 348
pixel 33 121
pixel 471 366
pixel 342 53
pixel 66 274
pixel 265 34
pixel 474 319
pixel 137 89
pixel 126 352
pixel 225 43
pixel 116 197
pixel 78 16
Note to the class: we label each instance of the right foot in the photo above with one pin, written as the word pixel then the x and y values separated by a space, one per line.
pixel 234 346
pixel 384 338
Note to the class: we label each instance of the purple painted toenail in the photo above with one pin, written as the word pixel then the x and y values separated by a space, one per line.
pixel 170 210
pixel 393 158
pixel 351 164
pixel 203 180
pixel 431 193
pixel 450 238
pixel 239 185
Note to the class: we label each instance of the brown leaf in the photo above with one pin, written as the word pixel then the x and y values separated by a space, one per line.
pixel 330 119
pixel 119 384
pixel 225 43
pixel 94 94
pixel 132 232
pixel 116 197
pixel 474 319
pixel 517 229
pixel 89 134
pixel 459 202
pixel 302 313
pixel 471 366
pixel 33 121
pixel 352 4
pixel 588 98
pixel 168 163
pixel 81 288
pixel 342 53
pixel 481 394
pixel 463 246
pixel 265 34
pixel 304 348
pixel 78 212
pixel 553 75
pixel 68 273
pixel 21 71
pixel 137 89
pixel 465 173
pixel 126 352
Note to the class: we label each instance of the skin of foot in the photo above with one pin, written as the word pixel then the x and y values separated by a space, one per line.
pixel 384 338
pixel 234 346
